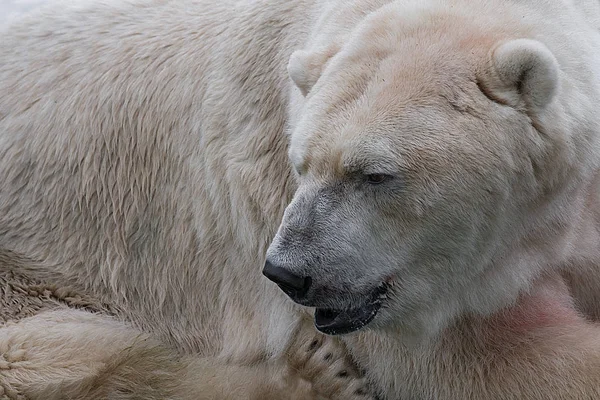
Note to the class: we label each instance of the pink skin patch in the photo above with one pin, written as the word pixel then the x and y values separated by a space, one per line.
pixel 547 304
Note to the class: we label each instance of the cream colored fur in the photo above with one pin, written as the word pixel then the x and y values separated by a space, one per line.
pixel 72 354
pixel 57 342
pixel 144 159
pixel 138 222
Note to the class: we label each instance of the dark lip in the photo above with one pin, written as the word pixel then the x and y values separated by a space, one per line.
pixel 341 322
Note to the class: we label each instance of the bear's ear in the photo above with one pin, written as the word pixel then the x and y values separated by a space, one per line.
pixel 305 67
pixel 522 72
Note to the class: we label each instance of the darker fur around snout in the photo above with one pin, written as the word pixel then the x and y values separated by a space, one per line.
pixel 317 244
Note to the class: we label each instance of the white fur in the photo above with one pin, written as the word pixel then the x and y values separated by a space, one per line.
pixel 528 70
pixel 79 355
pixel 143 157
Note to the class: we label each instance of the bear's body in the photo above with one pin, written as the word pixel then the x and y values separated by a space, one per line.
pixel 144 160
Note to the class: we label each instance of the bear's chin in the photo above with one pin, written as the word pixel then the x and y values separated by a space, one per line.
pixel 340 322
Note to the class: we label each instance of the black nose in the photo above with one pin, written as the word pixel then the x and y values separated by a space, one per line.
pixel 293 285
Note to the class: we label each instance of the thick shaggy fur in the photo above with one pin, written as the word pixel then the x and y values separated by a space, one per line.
pixel 144 161
pixel 72 354
pixel 57 342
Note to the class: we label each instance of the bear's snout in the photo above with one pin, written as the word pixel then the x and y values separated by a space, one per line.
pixel 293 285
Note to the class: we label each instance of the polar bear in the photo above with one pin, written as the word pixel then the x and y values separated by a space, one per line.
pixel 57 342
pixel 447 158
pixel 421 174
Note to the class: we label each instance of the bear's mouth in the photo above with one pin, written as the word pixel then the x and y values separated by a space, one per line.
pixel 341 322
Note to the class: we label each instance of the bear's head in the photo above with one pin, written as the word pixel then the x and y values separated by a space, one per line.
pixel 425 165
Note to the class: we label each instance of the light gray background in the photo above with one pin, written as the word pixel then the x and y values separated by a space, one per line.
pixel 10 9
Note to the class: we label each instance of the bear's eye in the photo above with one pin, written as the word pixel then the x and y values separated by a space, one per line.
pixel 376 179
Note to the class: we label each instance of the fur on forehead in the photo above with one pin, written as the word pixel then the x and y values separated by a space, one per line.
pixel 367 79
pixel 378 34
